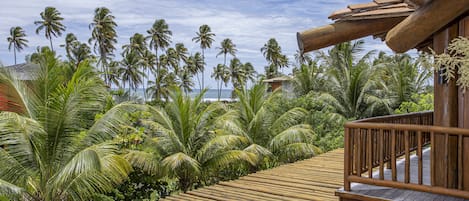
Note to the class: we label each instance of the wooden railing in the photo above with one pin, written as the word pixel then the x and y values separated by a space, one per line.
pixel 374 143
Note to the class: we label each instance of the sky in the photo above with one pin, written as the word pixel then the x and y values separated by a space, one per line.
pixel 248 23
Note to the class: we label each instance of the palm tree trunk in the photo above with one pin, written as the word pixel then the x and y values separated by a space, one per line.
pixel 203 79
pixel 143 85
pixel 51 47
pixel 14 53
pixel 157 75
pixel 219 89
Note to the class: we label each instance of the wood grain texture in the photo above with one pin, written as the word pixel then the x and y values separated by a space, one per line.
pixel 312 179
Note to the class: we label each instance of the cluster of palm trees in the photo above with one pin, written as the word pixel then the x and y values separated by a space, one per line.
pixel 139 66
pixel 69 141
pixel 358 85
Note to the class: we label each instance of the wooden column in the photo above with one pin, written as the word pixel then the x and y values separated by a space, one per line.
pixel 445 114
pixel 464 113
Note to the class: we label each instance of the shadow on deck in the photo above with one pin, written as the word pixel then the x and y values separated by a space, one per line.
pixel 317 178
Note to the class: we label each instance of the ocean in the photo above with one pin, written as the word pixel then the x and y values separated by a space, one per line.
pixel 210 95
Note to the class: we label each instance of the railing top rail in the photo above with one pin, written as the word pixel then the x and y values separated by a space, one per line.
pixel 411 127
pixel 395 116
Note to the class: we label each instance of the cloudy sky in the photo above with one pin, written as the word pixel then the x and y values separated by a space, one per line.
pixel 249 23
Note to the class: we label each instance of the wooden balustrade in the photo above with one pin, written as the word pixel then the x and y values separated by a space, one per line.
pixel 372 143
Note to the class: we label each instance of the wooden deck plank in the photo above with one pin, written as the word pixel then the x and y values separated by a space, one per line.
pixel 316 178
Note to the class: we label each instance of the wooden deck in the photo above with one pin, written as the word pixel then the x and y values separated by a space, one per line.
pixel 312 179
pixel 386 193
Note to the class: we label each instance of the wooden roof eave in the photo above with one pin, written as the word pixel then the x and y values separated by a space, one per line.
pixel 424 22
pixel 343 31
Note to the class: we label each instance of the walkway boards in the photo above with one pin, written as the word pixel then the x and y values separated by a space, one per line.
pixel 312 179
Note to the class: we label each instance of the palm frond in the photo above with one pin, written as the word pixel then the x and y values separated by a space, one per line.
pixel 288 119
pixel 219 143
pixel 296 134
pixel 147 162
pixel 181 162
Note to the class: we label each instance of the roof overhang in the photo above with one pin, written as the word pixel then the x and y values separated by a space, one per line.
pixel 403 24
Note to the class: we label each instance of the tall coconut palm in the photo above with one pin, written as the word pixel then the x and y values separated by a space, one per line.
pixel 53 148
pixel 352 81
pixel 237 75
pixel 104 36
pixel 138 45
pixel 205 38
pixel 181 53
pixel 17 40
pixel 227 47
pixel 189 140
pixel 164 81
pixel 75 50
pixel 249 73
pixel 160 38
pixel 130 71
pixel 51 23
pixel 196 65
pixel 273 54
pixel 220 73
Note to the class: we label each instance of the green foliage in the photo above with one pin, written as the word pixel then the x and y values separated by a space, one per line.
pixel 421 102
pixel 54 148
pixel 456 59
pixel 141 187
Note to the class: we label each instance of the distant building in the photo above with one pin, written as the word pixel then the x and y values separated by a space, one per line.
pixel 283 82
pixel 24 72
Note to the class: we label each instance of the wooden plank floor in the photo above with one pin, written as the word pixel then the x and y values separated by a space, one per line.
pixel 316 178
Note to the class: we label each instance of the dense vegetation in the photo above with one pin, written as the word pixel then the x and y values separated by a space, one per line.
pixel 72 138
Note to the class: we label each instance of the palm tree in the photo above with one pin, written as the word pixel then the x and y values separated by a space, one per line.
pixel 104 36
pixel 189 140
pixel 195 65
pixel 273 54
pixel 237 74
pixel 227 47
pixel 249 73
pixel 130 71
pixel 17 40
pixel 51 23
pixel 285 136
pixel 302 58
pixel 205 38
pixel 138 45
pixel 401 76
pixel 307 78
pixel 220 73
pixel 181 53
pixel 75 50
pixel 164 81
pixel 53 148
pixel 352 82
pixel 160 38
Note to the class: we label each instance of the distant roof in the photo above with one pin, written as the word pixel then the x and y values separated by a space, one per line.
pixel 277 79
pixel 24 71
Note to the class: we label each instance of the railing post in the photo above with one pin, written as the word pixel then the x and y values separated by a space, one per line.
pixel 347 151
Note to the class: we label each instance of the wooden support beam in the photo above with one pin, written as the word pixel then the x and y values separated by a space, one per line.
pixel 424 22
pixel 343 31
